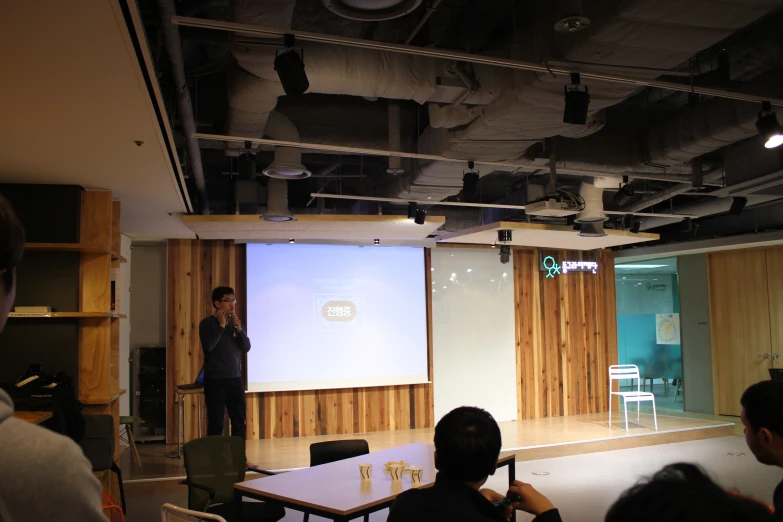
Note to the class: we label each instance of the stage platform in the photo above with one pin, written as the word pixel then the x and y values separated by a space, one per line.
pixel 529 439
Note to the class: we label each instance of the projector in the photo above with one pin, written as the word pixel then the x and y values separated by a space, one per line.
pixel 549 208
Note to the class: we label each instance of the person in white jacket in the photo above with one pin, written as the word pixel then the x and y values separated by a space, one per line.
pixel 43 475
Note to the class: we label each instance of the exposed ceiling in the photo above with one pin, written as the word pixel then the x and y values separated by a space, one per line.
pixel 79 101
pixel 656 137
pixel 74 104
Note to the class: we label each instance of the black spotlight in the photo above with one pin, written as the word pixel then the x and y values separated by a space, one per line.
pixel 623 196
pixel 246 165
pixel 289 65
pixel 686 227
pixel 470 185
pixel 768 127
pixel 412 208
pixel 421 214
pixel 636 226
pixel 505 254
pixel 577 101
pixel 737 205
pixel 504 235
pixel 291 240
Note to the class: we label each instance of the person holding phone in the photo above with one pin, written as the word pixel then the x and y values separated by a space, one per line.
pixel 224 341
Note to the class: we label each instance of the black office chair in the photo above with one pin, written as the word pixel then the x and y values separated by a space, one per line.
pixel 213 465
pixel 332 451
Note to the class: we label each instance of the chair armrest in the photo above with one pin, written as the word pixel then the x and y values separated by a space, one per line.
pixel 209 490
pixel 262 471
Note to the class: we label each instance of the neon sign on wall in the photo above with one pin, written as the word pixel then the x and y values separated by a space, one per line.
pixel 553 268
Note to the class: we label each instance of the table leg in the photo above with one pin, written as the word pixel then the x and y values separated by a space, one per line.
pixel 237 504
pixel 198 400
pixel 512 472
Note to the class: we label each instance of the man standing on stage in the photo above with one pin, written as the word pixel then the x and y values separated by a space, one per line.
pixel 224 341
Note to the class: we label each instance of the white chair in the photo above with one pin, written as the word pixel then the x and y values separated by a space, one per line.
pixel 178 513
pixel 618 372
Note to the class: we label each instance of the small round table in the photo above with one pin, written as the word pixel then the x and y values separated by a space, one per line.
pixel 182 390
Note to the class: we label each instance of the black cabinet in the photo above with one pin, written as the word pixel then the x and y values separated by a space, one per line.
pixel 148 392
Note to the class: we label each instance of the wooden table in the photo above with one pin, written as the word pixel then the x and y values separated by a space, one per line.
pixel 33 417
pixel 336 490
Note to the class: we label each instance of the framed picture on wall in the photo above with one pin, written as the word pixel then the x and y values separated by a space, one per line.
pixel 667 328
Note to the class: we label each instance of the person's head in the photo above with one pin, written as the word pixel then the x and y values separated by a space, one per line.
pixel 762 416
pixel 467 444
pixel 223 299
pixel 683 493
pixel 11 248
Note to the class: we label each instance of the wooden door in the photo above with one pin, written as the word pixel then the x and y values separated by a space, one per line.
pixel 740 324
pixel 775 291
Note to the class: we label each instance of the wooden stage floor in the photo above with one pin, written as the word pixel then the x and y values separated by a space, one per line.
pixel 530 440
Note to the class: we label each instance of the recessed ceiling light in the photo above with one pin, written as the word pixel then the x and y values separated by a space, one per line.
pixel 444 287
pixel 432 269
pixel 291 240
pixel 470 270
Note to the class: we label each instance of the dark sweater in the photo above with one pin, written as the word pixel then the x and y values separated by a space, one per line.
pixel 223 348
pixel 451 501
pixel 777 501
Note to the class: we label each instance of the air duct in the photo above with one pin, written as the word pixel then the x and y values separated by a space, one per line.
pixel 593 196
pixel 288 161
pixel 173 47
pixel 595 229
pixel 277 202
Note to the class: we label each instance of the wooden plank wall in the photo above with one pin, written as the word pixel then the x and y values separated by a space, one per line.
pixel 194 268
pixel 566 336
pixel 746 320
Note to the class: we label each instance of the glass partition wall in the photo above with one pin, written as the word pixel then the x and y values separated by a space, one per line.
pixel 648 328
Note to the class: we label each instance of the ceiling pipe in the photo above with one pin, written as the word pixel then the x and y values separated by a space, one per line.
pixel 304 36
pixel 423 20
pixel 395 162
pixel 505 165
pixel 173 46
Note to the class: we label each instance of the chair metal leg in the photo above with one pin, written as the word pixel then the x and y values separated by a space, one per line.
pixel 625 404
pixel 655 416
pixel 638 410
pixel 610 405
pixel 132 444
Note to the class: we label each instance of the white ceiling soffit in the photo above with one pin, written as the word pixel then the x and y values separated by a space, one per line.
pixel 75 103
pixel 315 228
pixel 745 241
pixel 544 236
